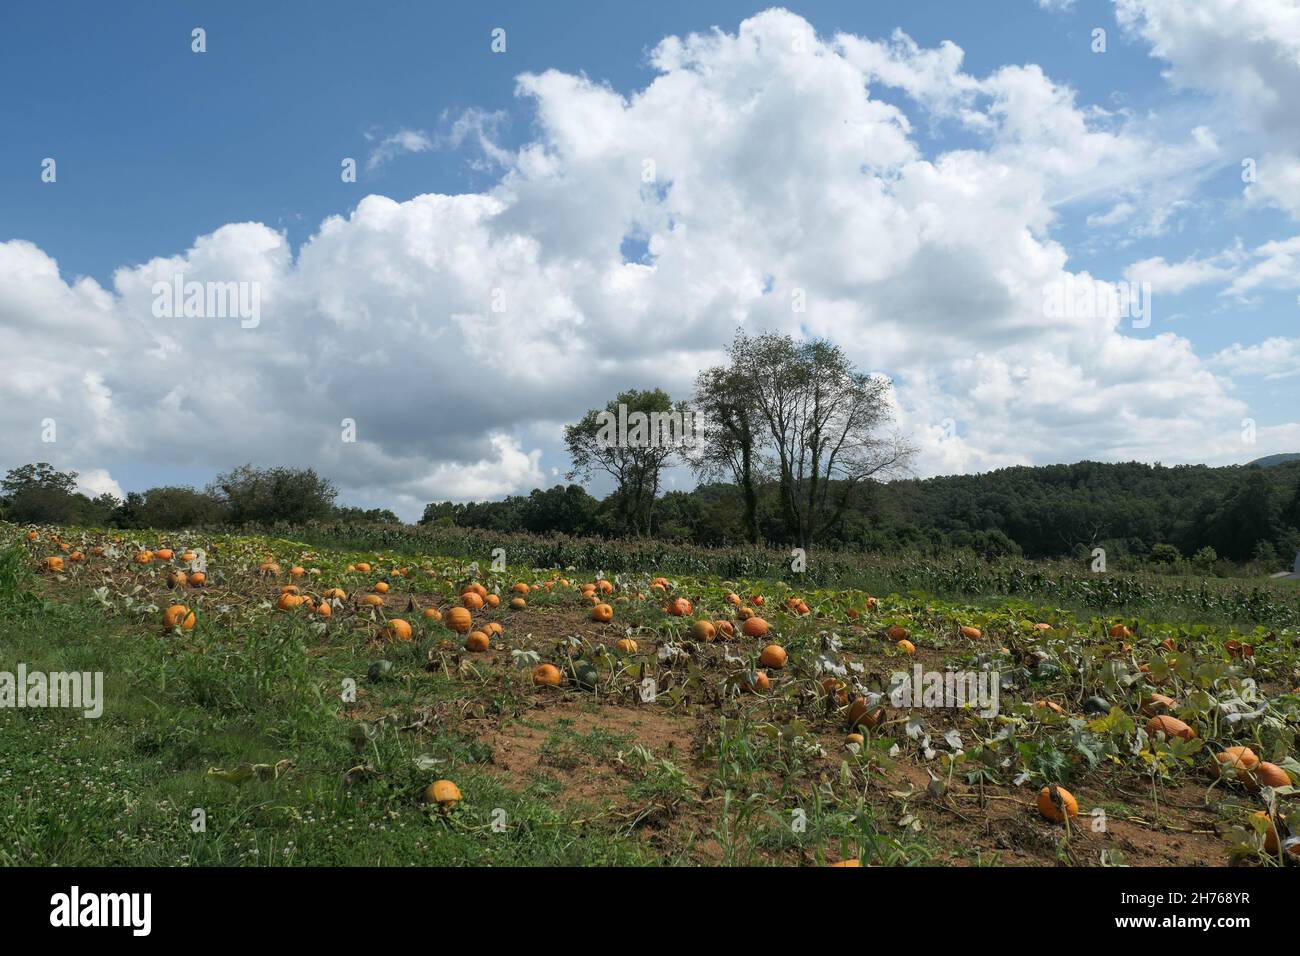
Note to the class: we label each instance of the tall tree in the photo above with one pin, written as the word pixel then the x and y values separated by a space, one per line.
pixel 825 421
pixel 731 443
pixel 626 440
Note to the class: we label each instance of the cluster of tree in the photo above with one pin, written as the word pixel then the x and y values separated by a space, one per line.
pixel 246 495
pixel 1194 514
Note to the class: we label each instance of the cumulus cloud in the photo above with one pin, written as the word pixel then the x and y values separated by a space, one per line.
pixel 1246 55
pixel 761 168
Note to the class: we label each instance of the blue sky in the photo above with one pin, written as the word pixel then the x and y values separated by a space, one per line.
pixel 157 146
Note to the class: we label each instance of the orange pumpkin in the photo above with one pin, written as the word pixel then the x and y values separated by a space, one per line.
pixel 704 631
pixel 602 613
pixel 627 645
pixel 970 633
pixel 178 615
pixel 398 630
pixel 547 675
pixel 472 600
pixel 1170 727
pixel 754 627
pixel 897 632
pixel 679 607
pixel 773 656
pixel 1057 803
pixel 477 642
pixel 864 713
pixel 459 620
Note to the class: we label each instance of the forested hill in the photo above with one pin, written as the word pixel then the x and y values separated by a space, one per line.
pixel 1238 513
pixel 1053 510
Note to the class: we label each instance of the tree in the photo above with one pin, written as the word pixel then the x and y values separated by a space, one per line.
pixel 169 508
pixel 38 476
pixel 724 399
pixel 626 440
pixel 564 509
pixel 823 419
pixel 268 495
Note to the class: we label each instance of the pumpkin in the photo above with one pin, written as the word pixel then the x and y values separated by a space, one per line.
pixel 371 600
pixel 865 713
pixel 363 567
pixel 381 587
pixel 704 631
pixel 289 601
pixel 520 588
pixel 1234 763
pixel 268 568
pixel 970 633
pixel 54 563
pixel 754 627
pixel 518 603
pixel 1270 835
pixel 626 645
pixel 494 600
pixel 1057 803
pixel 177 579
pixel 1170 727
pixel 726 629
pixel 872 604
pixel 897 632
pixel 178 615
pixel 835 690
pixel 757 599
pixel 1051 705
pixel 432 614
pixel 679 607
pixel 472 600
pixel 290 589
pixel 143 557
pixel 773 656
pixel 604 586
pixel 602 613
pixel 906 646
pixel 757 682
pixel 547 675
pixel 198 579
pixel 188 556
pixel 1120 630
pixel 33 536
pixel 164 554
pixel 1156 704
pixel 335 594
pixel 296 571
pixel 324 609
pixel 1268 775
pixel 459 620
pixel 855 739
pixel 494 629
pixel 734 598
pixel 398 629
pixel 444 793
pixel 477 642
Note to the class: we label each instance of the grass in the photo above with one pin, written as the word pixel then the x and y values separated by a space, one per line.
pixel 132 788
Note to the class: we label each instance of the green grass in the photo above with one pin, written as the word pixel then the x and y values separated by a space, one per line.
pixel 123 789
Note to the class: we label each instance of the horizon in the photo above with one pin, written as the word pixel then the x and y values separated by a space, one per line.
pixel 1056 253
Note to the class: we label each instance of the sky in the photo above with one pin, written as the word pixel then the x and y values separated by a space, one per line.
pixel 556 202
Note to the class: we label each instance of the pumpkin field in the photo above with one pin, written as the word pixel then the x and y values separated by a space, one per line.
pixel 272 702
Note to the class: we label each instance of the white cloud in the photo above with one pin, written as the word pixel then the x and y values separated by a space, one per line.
pixel 1273 358
pixel 403 141
pixel 1246 55
pixel 97 481
pixel 460 331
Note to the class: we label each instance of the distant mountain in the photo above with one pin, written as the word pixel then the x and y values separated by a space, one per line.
pixel 1268 461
